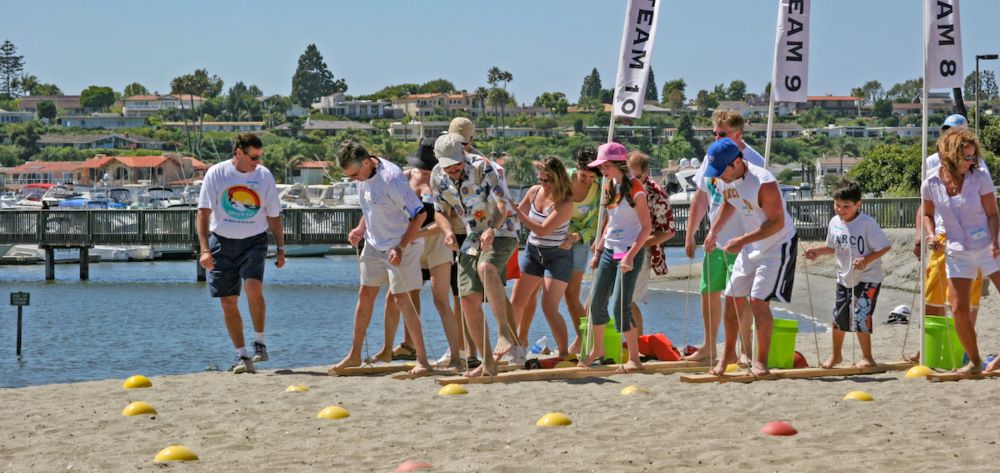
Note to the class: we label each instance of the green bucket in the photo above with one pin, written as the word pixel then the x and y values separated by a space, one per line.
pixel 782 352
pixel 612 341
pixel 939 351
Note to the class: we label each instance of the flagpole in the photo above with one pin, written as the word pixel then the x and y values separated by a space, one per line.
pixel 923 174
pixel 770 117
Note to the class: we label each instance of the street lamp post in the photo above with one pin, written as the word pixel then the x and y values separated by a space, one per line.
pixel 984 57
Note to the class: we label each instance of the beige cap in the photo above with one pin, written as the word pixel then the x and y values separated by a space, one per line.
pixel 448 149
pixel 464 127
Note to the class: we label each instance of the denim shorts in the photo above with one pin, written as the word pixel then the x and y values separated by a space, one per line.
pixel 235 260
pixel 547 261
pixel 581 255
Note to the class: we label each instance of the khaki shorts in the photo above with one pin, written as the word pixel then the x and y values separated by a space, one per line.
pixel 641 291
pixel 436 252
pixel 936 284
pixel 377 272
pixel 497 255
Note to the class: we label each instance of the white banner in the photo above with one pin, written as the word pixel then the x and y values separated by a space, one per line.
pixel 634 62
pixel 791 52
pixel 943 45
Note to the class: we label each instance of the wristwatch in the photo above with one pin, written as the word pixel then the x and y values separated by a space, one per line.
pixel 280 248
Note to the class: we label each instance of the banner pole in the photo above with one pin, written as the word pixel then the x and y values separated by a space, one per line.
pixel 923 174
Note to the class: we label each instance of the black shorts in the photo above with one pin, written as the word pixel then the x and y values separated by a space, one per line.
pixel 865 297
pixel 235 260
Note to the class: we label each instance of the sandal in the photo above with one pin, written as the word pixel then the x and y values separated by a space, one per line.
pixel 404 352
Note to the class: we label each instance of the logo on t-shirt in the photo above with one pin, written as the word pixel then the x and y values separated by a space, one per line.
pixel 240 202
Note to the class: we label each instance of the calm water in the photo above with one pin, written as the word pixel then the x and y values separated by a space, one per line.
pixel 152 318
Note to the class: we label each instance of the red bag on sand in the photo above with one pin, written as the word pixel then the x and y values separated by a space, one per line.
pixel 800 361
pixel 659 346
pixel 513 267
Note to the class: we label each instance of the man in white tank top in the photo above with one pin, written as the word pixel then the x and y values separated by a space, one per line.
pixel 765 265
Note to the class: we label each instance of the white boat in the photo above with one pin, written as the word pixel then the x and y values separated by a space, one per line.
pixel 60 255
pixel 301 251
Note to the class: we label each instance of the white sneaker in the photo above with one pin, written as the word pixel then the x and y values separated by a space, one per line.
pixel 445 360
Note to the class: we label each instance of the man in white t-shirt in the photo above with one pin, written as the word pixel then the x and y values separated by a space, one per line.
pixel 717 264
pixel 238 203
pixel 392 215
pixel 765 263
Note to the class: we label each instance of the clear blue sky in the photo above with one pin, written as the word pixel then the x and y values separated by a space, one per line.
pixel 548 45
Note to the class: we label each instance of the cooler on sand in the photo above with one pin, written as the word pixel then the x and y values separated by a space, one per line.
pixel 940 352
pixel 612 341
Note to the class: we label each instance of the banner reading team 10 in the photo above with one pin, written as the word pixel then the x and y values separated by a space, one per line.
pixel 791 52
pixel 636 55
pixel 943 45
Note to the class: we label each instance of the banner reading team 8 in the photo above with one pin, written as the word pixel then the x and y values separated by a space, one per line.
pixel 791 52
pixel 636 55
pixel 943 45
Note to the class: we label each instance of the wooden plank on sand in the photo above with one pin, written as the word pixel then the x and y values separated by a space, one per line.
pixel 370 370
pixel 450 372
pixel 662 367
pixel 742 376
pixel 952 376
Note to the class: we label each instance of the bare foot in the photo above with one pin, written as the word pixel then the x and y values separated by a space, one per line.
pixel 914 358
pixel 971 368
pixel 744 360
pixel 631 366
pixel 720 367
pixel 574 348
pixel 759 369
pixel 590 360
pixel 700 354
pixel 834 360
pixel 348 362
pixel 383 356
pixel 993 365
pixel 482 370
pixel 866 363
pixel 421 368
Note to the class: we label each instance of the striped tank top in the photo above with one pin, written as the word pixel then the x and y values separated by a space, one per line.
pixel 555 238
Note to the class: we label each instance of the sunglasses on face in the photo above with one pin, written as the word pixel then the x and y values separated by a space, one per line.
pixel 720 134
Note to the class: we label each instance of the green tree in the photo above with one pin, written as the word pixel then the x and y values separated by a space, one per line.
pixel 592 87
pixel 554 101
pixel 871 92
pixel 135 88
pixel 11 64
pixel 906 92
pixel 882 108
pixel 673 94
pixel 651 92
pixel 46 89
pixel 98 97
pixel 313 79
pixel 889 167
pixel 785 176
pixel 987 86
pixel 47 110
pixel 25 136
pixel 990 134
pixel 198 83
pixel 437 86
pixel 737 90
pixel 705 101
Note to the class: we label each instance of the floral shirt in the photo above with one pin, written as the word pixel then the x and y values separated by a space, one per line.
pixel 474 198
pixel 661 217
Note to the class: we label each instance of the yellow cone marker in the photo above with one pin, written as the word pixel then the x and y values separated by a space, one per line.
pixel 554 419
pixel 858 396
pixel 297 388
pixel 136 382
pixel 138 408
pixel 732 367
pixel 453 390
pixel 918 371
pixel 333 413
pixel 175 453
pixel 630 390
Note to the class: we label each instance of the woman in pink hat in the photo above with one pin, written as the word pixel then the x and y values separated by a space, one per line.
pixel 619 244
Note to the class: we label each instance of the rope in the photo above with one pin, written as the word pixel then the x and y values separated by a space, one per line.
pixel 368 360
pixel 687 297
pixel 812 311
pixel 853 281
pixel 913 304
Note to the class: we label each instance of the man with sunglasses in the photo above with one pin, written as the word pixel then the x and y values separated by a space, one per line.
pixel 765 263
pixel 716 264
pixel 238 203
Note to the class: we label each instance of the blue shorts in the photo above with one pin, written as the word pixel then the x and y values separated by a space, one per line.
pixel 581 256
pixel 547 261
pixel 235 260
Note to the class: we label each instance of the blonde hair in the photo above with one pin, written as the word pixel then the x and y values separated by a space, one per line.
pixel 730 118
pixel 951 148
pixel 553 167
pixel 639 160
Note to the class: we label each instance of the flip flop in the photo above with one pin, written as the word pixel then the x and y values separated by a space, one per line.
pixel 403 352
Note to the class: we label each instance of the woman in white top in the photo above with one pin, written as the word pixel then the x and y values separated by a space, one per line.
pixel 545 210
pixel 619 244
pixel 966 202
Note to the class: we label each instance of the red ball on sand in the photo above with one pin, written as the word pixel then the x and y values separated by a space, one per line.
pixel 779 428
pixel 412 465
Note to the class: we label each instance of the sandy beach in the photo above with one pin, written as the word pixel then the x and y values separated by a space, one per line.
pixel 248 422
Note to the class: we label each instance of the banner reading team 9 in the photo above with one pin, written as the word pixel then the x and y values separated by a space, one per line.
pixel 636 55
pixel 791 52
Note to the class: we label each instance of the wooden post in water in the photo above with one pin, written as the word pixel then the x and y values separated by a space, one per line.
pixel 84 263
pixel 50 263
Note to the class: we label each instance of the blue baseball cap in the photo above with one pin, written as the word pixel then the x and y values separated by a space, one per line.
pixel 720 155
pixel 955 120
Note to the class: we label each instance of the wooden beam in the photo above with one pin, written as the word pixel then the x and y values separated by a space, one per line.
pixel 953 376
pixel 652 367
pixel 450 372
pixel 367 370
pixel 742 376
